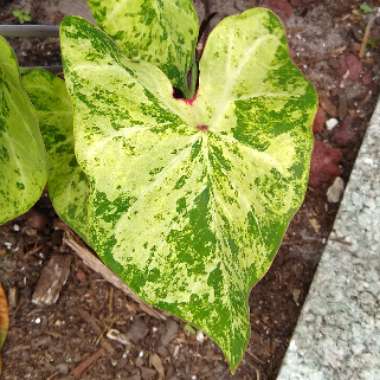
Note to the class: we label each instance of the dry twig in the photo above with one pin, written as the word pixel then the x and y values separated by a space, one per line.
pixel 367 33
pixel 84 365
pixel 255 357
pixel 97 266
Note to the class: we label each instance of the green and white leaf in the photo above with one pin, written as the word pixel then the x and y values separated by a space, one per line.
pixel 189 202
pixel 67 184
pixel 164 33
pixel 22 154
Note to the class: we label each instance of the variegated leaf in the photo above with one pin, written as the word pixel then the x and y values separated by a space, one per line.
pixel 67 184
pixel 189 201
pixel 22 153
pixel 161 32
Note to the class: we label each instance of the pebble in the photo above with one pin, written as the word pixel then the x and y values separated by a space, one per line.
pixel 335 191
pixel 37 320
pixel 200 337
pixel 331 123
pixel 63 369
pixel 7 245
pixel 125 354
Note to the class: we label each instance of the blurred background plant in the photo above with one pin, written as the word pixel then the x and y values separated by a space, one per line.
pixel 22 16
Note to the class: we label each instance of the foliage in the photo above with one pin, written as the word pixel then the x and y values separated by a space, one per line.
pixel 161 32
pixel 22 16
pixel 4 320
pixel 365 8
pixel 67 184
pixel 22 153
pixel 188 201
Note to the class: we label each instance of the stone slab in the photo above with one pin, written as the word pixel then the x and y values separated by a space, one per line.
pixel 338 333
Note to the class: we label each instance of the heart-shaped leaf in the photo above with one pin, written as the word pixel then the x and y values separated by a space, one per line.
pixel 189 200
pixel 67 184
pixel 4 320
pixel 22 153
pixel 161 32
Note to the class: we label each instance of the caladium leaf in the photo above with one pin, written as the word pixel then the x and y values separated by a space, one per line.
pixel 22 153
pixel 4 320
pixel 164 33
pixel 67 184
pixel 189 200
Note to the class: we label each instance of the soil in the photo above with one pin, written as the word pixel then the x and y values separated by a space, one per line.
pixel 49 342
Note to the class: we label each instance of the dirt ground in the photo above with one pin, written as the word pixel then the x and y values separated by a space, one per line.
pixel 50 342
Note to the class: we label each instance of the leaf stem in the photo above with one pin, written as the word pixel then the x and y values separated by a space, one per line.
pixel 191 86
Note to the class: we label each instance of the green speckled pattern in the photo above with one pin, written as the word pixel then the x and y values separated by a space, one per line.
pixel 189 201
pixel 162 32
pixel 67 184
pixel 22 154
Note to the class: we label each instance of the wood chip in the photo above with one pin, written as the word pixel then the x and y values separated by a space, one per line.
pixel 343 106
pixel 156 362
pixel 315 225
pixel 53 278
pixel 170 332
pixel 12 297
pixel 137 331
pixel 119 337
pixel 148 373
pixel 3 251
pixel 328 106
